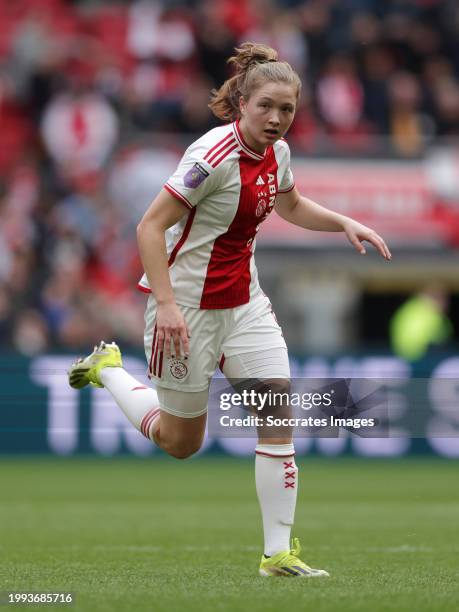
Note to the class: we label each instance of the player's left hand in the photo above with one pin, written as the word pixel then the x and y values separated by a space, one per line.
pixel 357 233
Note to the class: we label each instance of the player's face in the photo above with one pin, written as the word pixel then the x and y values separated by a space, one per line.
pixel 267 114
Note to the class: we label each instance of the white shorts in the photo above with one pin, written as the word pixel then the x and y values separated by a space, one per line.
pixel 245 341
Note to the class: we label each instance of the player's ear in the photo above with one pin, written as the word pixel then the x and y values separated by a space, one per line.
pixel 242 104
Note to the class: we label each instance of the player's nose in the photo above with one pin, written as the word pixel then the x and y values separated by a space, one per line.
pixel 274 119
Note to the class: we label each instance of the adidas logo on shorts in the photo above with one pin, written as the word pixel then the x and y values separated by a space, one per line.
pixel 260 181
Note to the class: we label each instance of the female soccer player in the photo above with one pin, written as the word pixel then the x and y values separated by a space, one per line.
pixel 205 304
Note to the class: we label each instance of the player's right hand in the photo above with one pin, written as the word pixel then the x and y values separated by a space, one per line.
pixel 172 331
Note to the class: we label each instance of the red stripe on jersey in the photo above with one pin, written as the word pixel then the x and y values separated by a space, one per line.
pixel 219 151
pixel 219 143
pixel 183 238
pixel 178 196
pixel 222 157
pixel 143 289
pixel 227 282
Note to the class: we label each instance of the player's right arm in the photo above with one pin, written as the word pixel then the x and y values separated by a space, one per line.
pixel 164 212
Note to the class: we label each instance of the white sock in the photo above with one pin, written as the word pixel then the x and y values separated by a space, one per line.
pixel 276 481
pixel 139 403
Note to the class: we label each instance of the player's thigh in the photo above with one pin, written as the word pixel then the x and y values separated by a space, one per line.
pixel 183 417
pixel 267 374
pixel 258 365
pixel 255 358
pixel 255 346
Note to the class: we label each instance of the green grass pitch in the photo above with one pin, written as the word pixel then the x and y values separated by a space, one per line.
pixel 159 534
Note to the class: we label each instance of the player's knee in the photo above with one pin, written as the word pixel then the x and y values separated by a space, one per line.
pixel 183 450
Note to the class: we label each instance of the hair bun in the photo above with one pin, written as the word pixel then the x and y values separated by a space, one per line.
pixel 250 54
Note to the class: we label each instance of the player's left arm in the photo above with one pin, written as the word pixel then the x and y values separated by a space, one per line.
pixel 296 209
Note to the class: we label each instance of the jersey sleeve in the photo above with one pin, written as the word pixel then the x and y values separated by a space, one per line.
pixel 287 182
pixel 194 178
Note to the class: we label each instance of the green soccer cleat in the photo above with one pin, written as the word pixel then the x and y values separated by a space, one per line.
pixel 86 371
pixel 288 564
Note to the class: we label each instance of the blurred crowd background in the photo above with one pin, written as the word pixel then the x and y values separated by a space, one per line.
pixel 99 99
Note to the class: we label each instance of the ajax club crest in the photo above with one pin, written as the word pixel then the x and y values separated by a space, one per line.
pixel 178 369
pixel 261 207
pixel 266 196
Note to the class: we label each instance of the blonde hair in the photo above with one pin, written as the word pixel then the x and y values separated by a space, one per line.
pixel 255 64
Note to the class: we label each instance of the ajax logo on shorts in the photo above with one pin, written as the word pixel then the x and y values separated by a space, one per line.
pixel 178 368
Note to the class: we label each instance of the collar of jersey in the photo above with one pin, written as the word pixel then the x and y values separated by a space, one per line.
pixel 242 143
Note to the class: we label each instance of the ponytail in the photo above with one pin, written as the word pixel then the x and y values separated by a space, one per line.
pixel 254 64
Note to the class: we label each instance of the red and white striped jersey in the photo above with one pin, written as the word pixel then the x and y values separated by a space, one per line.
pixel 229 190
